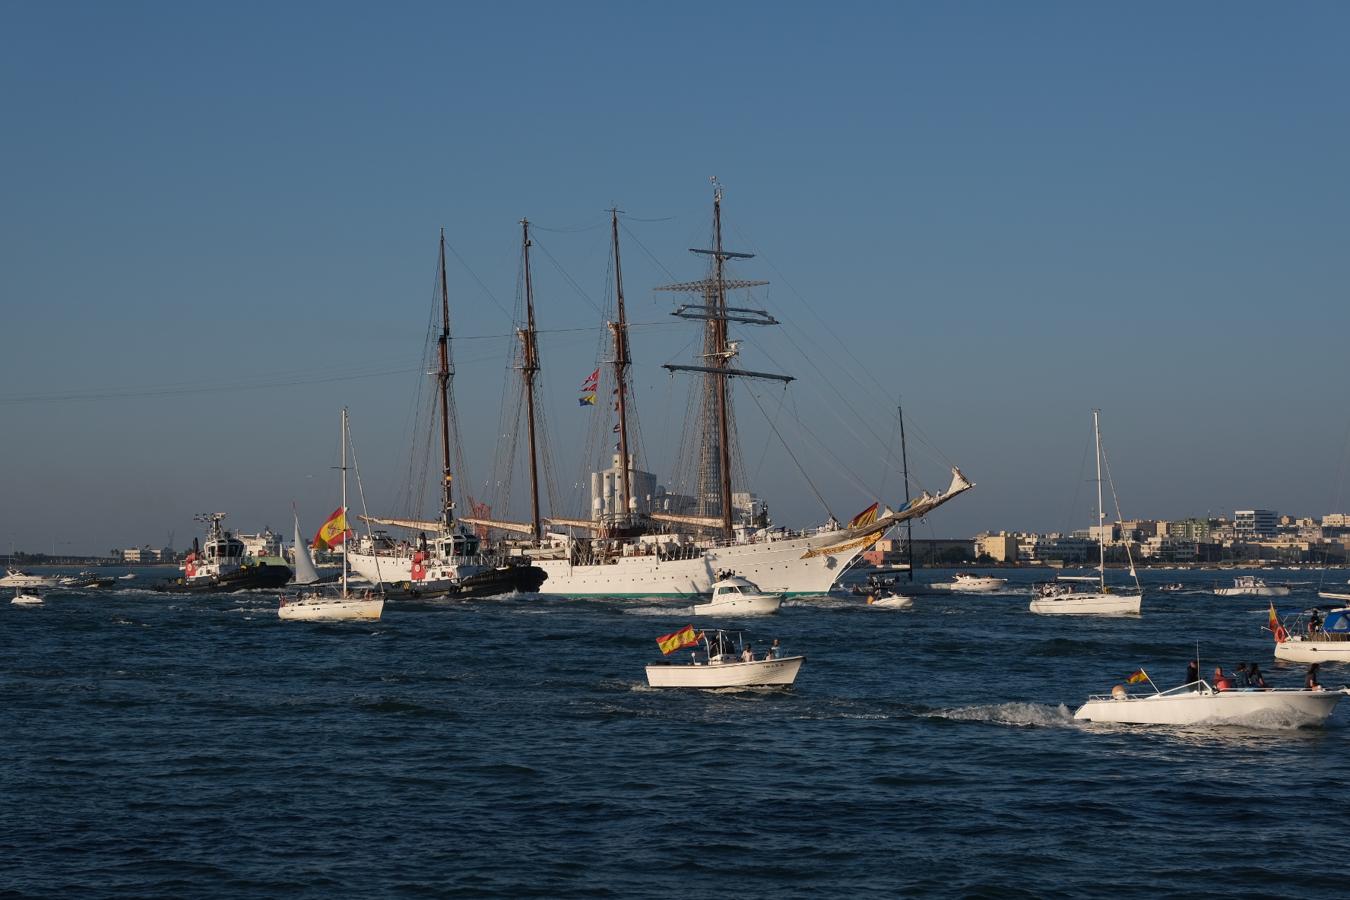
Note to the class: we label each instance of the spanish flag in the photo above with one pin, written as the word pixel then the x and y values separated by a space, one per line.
pixel 866 517
pixel 1139 677
pixel 1275 627
pixel 675 640
pixel 332 532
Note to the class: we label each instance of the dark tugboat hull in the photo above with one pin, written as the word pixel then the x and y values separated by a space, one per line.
pixel 492 583
pixel 259 577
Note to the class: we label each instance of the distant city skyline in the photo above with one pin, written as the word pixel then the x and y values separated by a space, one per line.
pixel 220 227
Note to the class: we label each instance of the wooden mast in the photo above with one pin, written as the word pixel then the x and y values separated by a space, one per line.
pixel 443 375
pixel 720 363
pixel 529 367
pixel 904 464
pixel 621 363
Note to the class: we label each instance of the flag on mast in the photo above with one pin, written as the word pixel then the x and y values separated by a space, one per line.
pixel 333 531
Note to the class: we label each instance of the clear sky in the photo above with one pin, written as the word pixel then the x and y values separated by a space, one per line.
pixel 1006 213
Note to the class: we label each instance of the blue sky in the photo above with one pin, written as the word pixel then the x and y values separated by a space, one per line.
pixel 1008 213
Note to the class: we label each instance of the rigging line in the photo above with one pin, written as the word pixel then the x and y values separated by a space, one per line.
pixel 175 392
pixel 650 255
pixel 792 455
pixel 1129 554
pixel 782 401
pixel 843 467
pixel 1072 514
pixel 568 278
pixel 474 275
pixel 573 229
pixel 890 455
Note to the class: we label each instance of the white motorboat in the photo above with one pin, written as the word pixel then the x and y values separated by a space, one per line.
pixel 965 583
pixel 1063 598
pixel 1198 703
pixel 720 665
pixel 26 598
pixel 1334 595
pixel 16 578
pixel 890 601
pixel 318 605
pixel 1251 586
pixel 127 577
pixel 736 596
pixel 1313 636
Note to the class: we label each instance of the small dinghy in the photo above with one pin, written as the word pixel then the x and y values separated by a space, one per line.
pixel 724 662
pixel 737 596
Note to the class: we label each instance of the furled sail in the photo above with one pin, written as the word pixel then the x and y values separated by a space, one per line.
pixel 918 507
pixel 516 527
pixel 414 524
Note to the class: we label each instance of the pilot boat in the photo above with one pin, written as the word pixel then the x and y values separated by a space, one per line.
pixel 736 596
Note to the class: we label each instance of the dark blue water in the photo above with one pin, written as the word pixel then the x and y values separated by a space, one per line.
pixel 175 746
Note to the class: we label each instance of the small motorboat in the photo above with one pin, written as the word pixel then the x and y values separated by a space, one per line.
pixel 26 598
pixel 965 583
pixel 1058 598
pixel 1251 586
pixel 889 601
pixel 720 665
pixel 1172 587
pixel 88 580
pixel 737 596
pixel 1316 635
pixel 127 577
pixel 1198 703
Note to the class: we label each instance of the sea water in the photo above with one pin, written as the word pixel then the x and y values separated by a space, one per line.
pixel 196 746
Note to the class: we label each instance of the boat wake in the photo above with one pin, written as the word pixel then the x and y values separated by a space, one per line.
pixel 1023 715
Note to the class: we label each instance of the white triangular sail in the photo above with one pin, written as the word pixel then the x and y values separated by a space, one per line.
pixel 305 573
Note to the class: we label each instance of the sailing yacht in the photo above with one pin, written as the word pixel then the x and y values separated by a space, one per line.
pixel 624 551
pixel 317 604
pixel 1063 598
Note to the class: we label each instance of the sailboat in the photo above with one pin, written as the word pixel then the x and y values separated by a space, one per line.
pixel 445 559
pixel 320 605
pixel 1063 598
pixel 627 548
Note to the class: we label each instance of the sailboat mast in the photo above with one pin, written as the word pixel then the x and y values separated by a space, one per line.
pixel 1101 511
pixel 621 363
pixel 529 367
pixel 904 465
pixel 720 363
pixel 443 375
pixel 345 545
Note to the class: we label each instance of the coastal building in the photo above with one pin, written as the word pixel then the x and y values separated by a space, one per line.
pixel 1189 530
pixel 146 554
pixel 1254 523
pixel 1001 547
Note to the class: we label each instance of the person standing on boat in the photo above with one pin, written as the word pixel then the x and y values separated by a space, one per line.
pixel 1192 671
pixel 1314 624
pixel 1311 683
pixel 1255 678
pixel 747 655
pixel 773 650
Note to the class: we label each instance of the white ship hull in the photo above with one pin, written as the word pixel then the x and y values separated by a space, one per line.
pixel 1302 650
pixel 777 566
pixel 1088 605
pixel 331 609
pixel 760 673
pixel 1292 708
pixel 25 580
pixel 1264 590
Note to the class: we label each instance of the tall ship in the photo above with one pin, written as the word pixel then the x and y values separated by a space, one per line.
pixel 637 542
pixel 439 557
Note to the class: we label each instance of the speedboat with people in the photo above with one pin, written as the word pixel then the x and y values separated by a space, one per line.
pixel 26 598
pixel 965 583
pixel 1251 586
pixel 721 660
pixel 85 580
pixel 1199 702
pixel 736 596
pixel 1318 634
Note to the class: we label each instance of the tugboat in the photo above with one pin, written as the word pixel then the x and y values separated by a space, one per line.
pixel 220 564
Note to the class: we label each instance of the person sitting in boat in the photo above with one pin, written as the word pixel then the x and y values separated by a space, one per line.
pixel 773 651
pixel 747 655
pixel 1240 677
pixel 1221 681
pixel 1255 678
pixel 1311 683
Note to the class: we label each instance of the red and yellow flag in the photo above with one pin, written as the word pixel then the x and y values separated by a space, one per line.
pixel 669 643
pixel 332 532
pixel 1275 627
pixel 1138 677
pixel 866 517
